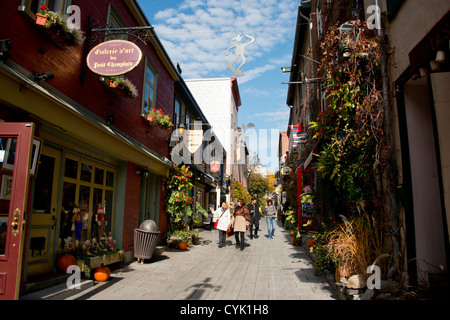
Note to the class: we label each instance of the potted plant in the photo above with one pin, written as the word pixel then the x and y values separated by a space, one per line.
pixel 183 239
pixel 41 19
pixel 57 24
pixel 195 236
pixel 200 214
pixel 152 117
pixel 178 203
pixel 179 207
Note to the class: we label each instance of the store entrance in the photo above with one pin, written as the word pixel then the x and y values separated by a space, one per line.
pixel 44 213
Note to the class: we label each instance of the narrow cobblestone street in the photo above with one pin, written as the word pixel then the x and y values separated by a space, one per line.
pixel 267 269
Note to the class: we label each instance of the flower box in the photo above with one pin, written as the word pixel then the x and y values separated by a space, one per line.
pixel 95 262
pixel 159 118
pixel 121 87
pixel 55 26
pixel 152 120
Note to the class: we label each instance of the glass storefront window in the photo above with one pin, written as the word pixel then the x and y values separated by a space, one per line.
pixel 109 179
pixel 71 168
pixel 90 190
pixel 86 172
pixel 67 206
pixel 43 186
pixel 99 174
pixel 109 196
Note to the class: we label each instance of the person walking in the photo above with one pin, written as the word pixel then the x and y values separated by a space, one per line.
pixel 224 217
pixel 253 208
pixel 271 213
pixel 240 222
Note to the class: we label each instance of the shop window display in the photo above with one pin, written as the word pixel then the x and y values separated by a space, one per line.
pixel 87 207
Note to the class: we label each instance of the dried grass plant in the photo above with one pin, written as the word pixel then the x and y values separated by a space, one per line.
pixel 353 246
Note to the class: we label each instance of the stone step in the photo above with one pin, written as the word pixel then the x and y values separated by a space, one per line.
pixel 58 292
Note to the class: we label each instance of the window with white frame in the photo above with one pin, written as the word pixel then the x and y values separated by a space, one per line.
pixel 149 97
pixel 54 5
pixel 177 112
pixel 188 120
pixel 115 21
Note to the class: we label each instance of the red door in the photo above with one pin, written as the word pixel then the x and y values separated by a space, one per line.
pixel 15 151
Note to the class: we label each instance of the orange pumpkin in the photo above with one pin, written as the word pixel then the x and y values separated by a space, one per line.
pixel 65 261
pixel 182 245
pixel 102 273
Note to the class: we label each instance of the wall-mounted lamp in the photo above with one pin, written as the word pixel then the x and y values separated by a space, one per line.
pixel 5 47
pixel 295 153
pixel 142 172
pixel 181 128
pixel 440 56
pixel 423 72
pixel 286 69
pixel 110 120
pixel 434 65
pixel 344 29
pixel 46 76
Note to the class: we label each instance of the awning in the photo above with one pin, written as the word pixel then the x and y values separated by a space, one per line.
pixel 17 90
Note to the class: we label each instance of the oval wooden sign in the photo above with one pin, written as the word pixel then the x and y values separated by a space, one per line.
pixel 114 57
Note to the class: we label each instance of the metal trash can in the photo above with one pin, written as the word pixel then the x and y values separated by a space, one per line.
pixel 145 240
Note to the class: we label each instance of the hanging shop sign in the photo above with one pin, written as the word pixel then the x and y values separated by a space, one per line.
pixel 193 139
pixel 114 57
pixel 215 166
pixel 286 171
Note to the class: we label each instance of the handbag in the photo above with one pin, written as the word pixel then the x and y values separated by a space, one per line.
pixel 230 231
pixel 217 221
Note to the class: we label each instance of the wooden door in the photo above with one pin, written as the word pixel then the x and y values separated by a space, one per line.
pixel 43 214
pixel 16 146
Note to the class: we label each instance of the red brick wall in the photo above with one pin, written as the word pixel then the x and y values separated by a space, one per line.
pixel 27 40
pixel 131 219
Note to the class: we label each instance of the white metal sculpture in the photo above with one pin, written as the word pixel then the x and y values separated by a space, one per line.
pixel 239 53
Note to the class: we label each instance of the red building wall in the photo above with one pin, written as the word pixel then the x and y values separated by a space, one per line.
pixel 28 41
pixel 37 53
pixel 131 219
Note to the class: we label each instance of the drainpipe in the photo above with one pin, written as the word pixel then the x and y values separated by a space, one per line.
pixel 387 122
pixel 309 21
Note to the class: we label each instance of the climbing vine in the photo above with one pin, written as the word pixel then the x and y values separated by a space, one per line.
pixel 350 129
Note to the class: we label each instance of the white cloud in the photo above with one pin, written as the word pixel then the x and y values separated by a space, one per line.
pixel 275 115
pixel 199 31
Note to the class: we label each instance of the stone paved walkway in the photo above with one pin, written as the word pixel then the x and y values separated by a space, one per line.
pixel 267 269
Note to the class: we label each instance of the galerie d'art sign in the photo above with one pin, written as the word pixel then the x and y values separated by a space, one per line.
pixel 113 58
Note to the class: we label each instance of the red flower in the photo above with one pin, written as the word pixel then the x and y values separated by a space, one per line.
pixel 43 7
pixel 160 110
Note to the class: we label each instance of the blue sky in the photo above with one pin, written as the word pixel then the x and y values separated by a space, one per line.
pixel 196 34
